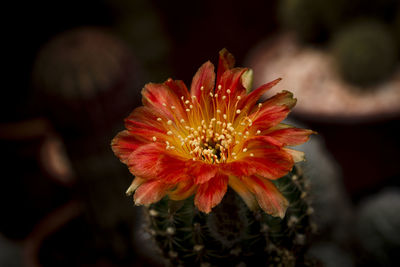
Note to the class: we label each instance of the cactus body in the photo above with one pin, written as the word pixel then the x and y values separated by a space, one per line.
pixel 231 234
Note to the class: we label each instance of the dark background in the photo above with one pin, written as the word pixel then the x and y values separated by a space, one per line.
pixel 81 217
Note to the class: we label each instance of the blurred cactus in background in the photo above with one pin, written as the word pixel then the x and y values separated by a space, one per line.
pixel 311 20
pixel 80 74
pixel 233 235
pixel 365 52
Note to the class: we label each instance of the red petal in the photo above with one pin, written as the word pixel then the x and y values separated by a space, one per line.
pixel 268 196
pixel 184 190
pixel 150 192
pixel 144 131
pixel 124 144
pixel 144 161
pixel 284 98
pixel 178 87
pixel 269 116
pixel 160 98
pixel 172 169
pixel 242 190
pixel 226 62
pixel 210 193
pixel 251 99
pixel 291 136
pixel 231 80
pixel 144 115
pixel 205 79
pixel 202 172
pixel 271 163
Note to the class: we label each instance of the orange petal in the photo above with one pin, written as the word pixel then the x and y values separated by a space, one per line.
pixel 171 168
pixel 269 116
pixel 226 61
pixel 284 98
pixel 178 87
pixel 203 83
pixel 161 99
pixel 202 172
pixel 297 156
pixel 291 136
pixel 210 193
pixel 271 163
pixel 134 185
pixel 144 115
pixel 268 196
pixel 124 144
pixel 231 80
pixel 184 189
pixel 144 161
pixel 242 190
pixel 144 131
pixel 251 99
pixel 150 192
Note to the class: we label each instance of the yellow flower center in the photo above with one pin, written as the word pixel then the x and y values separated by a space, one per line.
pixel 213 133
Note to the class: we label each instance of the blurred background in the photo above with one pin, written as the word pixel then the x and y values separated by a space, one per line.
pixel 75 69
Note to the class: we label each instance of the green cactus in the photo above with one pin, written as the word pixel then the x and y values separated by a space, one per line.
pixel 365 52
pixel 231 234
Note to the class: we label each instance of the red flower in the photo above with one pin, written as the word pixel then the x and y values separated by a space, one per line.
pixel 181 143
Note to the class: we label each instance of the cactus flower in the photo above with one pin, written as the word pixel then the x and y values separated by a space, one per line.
pixel 182 142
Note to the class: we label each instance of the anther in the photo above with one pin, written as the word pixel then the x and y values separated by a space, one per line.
pixel 164 104
pixel 154 138
pixel 169 133
pixel 169 122
pixel 172 107
pixel 228 91
pixel 159 119
pixel 251 155
pixel 201 88
pixel 238 111
pixel 219 87
pixel 182 120
pixel 244 149
pixel 258 132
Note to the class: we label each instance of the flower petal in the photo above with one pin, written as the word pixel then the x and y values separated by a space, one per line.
pixel 134 185
pixel 242 190
pixel 160 98
pixel 269 116
pixel 203 83
pixel 150 192
pixel 251 99
pixel 210 193
pixel 144 115
pixel 145 160
pixel 231 79
pixel 144 131
pixel 172 168
pixel 297 156
pixel 268 196
pixel 284 98
pixel 184 189
pixel 226 61
pixel 124 144
pixel 178 87
pixel 202 172
pixel 291 136
pixel 268 162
